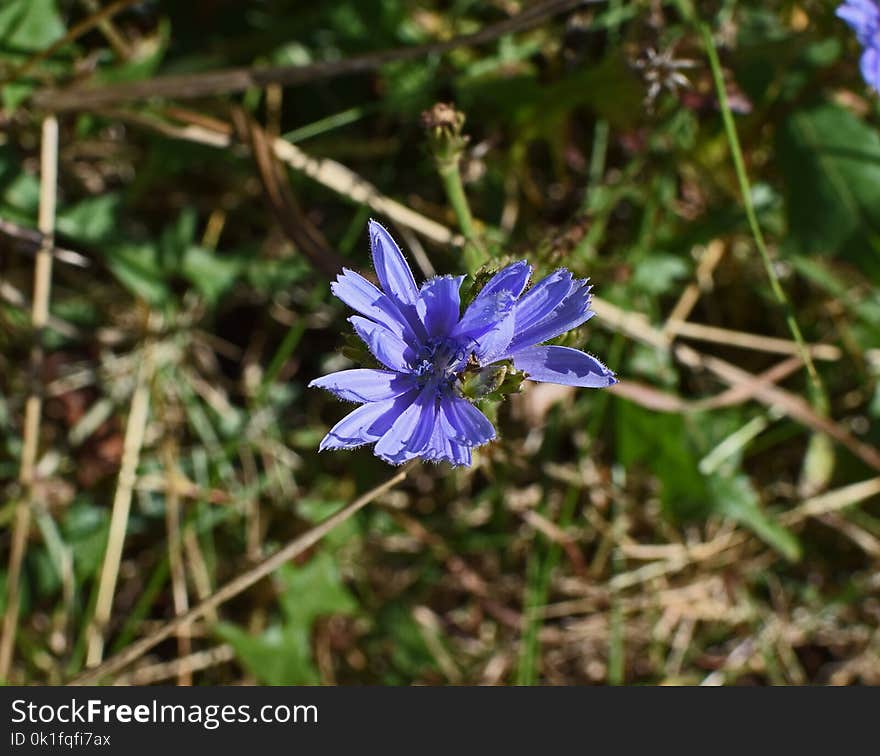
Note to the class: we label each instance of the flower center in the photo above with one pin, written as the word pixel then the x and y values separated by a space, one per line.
pixel 437 359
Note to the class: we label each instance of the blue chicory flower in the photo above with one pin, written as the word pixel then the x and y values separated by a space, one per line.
pixel 863 17
pixel 415 408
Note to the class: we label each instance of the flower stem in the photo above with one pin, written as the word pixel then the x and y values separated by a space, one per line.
pixel 452 183
pixel 447 142
pixel 34 402
pixel 474 253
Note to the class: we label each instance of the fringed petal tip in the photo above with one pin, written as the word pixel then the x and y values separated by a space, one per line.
pixel 460 458
pixel 563 365
pixel 391 266
pixel 454 463
pixel 333 443
pixel 395 460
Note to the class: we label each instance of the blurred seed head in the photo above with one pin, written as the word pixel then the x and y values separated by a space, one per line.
pixel 663 71
pixel 444 125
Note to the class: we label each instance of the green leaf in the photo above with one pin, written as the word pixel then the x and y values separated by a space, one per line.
pixel 313 590
pixel 137 267
pixel 19 191
pixel 316 510
pixel 275 657
pixel 177 237
pixel 657 273
pixel 865 305
pixel 735 497
pixel 410 657
pixel 85 528
pixel 663 443
pixel 282 655
pixel 26 27
pixel 669 445
pixel 831 164
pixel 269 275
pixel 210 273
pixel 91 220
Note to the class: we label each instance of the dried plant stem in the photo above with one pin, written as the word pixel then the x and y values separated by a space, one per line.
pixel 184 665
pixel 131 451
pixel 175 557
pixel 832 501
pixel 680 557
pixel 33 406
pixel 241 583
pixel 753 341
pixel 29 241
pixel 198 568
pixel 638 327
pixel 329 173
pixel 346 182
pixel 691 294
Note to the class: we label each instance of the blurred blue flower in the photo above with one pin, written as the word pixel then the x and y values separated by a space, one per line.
pixel 415 408
pixel 863 17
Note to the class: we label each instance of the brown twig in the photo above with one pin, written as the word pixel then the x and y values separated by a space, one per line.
pixel 185 665
pixel 832 501
pixel 691 294
pixel 30 241
pixel 753 341
pixel 175 556
pixel 683 556
pixel 794 406
pixel 241 583
pixel 304 235
pixel 746 390
pixel 663 401
pixel 638 327
pixel 188 86
pixel 34 404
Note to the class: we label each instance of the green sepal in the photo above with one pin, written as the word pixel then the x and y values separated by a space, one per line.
pixel 493 382
pixel 355 350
